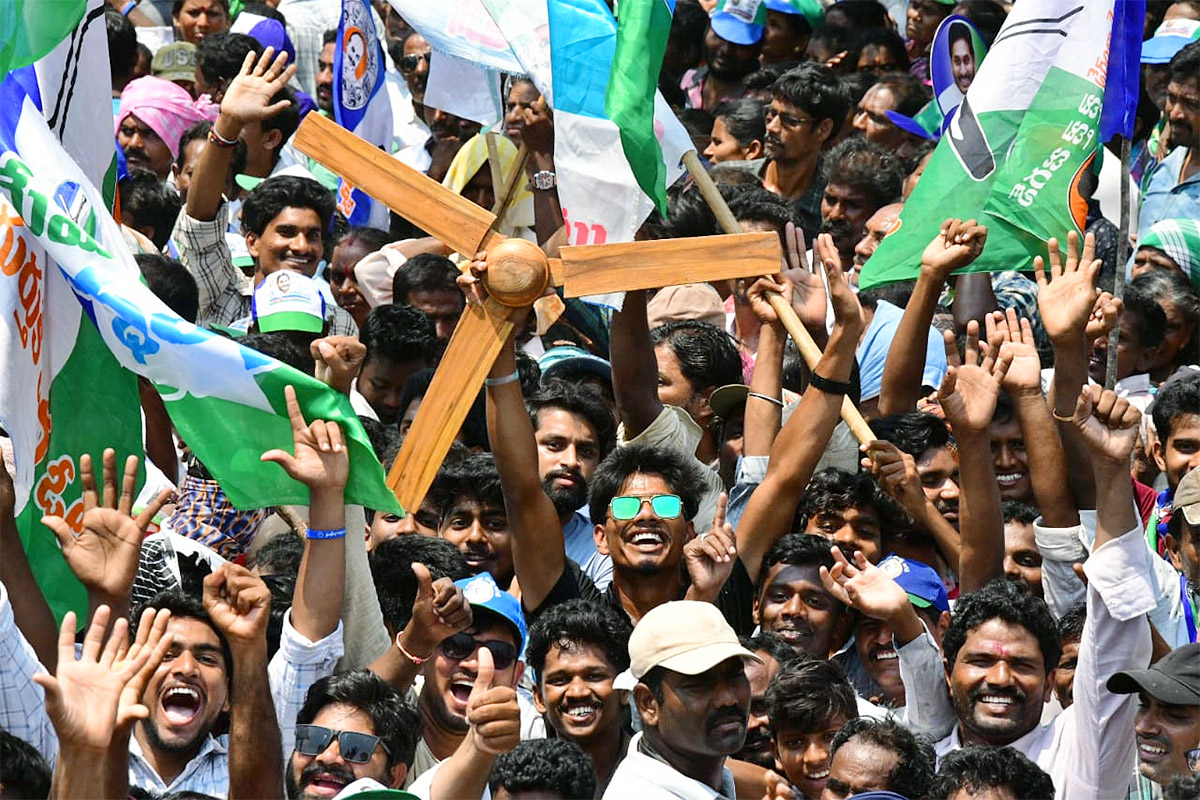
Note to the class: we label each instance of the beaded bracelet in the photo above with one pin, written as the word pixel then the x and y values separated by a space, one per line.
pixel 219 140
pixel 332 533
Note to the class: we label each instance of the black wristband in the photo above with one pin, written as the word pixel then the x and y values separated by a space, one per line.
pixel 827 386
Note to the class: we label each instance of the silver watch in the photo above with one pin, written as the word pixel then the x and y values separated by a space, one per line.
pixel 544 180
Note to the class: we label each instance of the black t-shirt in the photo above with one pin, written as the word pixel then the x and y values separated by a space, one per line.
pixel 735 601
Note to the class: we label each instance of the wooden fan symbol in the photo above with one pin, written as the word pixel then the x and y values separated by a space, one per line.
pixel 518 272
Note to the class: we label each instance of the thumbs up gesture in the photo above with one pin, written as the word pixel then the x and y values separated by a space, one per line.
pixel 492 710
pixel 439 611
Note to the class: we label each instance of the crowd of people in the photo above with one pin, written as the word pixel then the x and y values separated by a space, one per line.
pixel 656 562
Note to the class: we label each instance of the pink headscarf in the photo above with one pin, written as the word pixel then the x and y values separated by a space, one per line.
pixel 165 107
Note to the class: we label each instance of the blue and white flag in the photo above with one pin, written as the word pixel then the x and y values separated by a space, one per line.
pixel 360 103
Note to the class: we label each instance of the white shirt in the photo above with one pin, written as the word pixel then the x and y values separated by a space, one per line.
pixel 646 778
pixel 1088 749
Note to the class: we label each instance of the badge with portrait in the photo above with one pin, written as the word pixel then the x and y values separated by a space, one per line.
pixel 955 56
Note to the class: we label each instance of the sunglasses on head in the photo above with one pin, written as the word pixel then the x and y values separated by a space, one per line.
pixel 664 506
pixel 311 740
pixel 461 645
pixel 409 63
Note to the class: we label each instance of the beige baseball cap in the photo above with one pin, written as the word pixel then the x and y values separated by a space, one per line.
pixel 683 636
pixel 689 301
pixel 1187 497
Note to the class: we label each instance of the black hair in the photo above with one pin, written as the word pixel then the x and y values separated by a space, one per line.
pixel 910 93
pixel 977 768
pixel 281 554
pixel 473 432
pixel 171 283
pixel 1183 787
pixel 425 272
pixel 697 122
pixel 913 432
pixel 399 334
pixel 898 294
pixel 329 37
pixel 867 167
pixel 773 645
pixel 759 82
pixel 743 119
pixel 395 721
pixel 959 32
pixel 1016 511
pixel 545 765
pixel 1151 325
pixel 148 202
pixel 1070 624
pixel 1174 287
pixel 816 90
pixel 577 622
pixel 475 477
pixel 122 46
pixel 807 694
pixel 26 773
pixel 1176 399
pixel 707 355
pixel 263 10
pixel 220 56
pixel 285 121
pixel 395 582
pixel 178 5
pixel 370 239
pixel 882 38
pixel 753 203
pixel 1007 601
pixel 1185 64
pixel 797 550
pixel 987 17
pixel 381 436
pixel 529 375
pixel 679 473
pixel 415 387
pixel 915 759
pixel 280 346
pixel 273 195
pixel 577 399
pixel 184 606
pixel 862 14
pixel 833 489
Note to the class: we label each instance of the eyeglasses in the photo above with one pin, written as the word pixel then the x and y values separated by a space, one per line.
pixel 311 740
pixel 664 506
pixel 786 119
pixel 410 63
pixel 462 645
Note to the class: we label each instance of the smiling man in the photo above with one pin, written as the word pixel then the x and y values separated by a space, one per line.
pixel 928 440
pixel 693 697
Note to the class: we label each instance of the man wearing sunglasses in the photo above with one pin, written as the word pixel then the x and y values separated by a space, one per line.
pixel 353 725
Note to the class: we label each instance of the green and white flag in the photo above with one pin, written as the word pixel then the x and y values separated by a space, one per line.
pixel 1018 146
pixel 32 28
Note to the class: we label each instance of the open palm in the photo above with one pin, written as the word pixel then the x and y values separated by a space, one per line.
pixel 972 384
pixel 1067 297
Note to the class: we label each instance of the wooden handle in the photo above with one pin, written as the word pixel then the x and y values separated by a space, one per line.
pixel 787 315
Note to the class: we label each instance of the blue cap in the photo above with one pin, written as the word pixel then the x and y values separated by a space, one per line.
pixel 571 359
pixel 878 794
pixel 739 21
pixel 481 591
pixel 922 584
pixel 1171 37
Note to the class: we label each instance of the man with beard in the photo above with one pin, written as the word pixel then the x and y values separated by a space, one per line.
pixel 731 50
pixel 862 178
pixel 693 697
pixel 1173 185
pixel 324 96
pixel 374 729
pixel 808 107
pixel 151 120
pixel 471 507
pixel 577 650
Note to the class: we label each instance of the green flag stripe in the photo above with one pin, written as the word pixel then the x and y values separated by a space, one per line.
pixel 31 32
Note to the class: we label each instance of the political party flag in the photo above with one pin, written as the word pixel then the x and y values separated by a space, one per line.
pixel 1020 143
pixel 62 393
pixel 34 27
pixel 72 301
pixel 360 102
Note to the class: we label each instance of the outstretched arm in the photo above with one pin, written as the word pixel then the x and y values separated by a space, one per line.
pixel 634 367
pixel 956 245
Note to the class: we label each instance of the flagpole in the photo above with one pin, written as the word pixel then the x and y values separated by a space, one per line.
pixel 783 309
pixel 1110 370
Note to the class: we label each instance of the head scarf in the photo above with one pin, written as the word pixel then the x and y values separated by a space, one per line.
pixel 165 107
pixel 472 157
pixel 1180 240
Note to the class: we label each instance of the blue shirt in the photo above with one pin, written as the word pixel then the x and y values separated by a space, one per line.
pixel 878 340
pixel 1164 196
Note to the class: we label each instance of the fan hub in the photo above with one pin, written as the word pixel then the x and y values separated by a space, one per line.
pixel 517 272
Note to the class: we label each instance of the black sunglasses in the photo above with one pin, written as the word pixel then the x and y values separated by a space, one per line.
pixel 462 645
pixel 409 63
pixel 311 740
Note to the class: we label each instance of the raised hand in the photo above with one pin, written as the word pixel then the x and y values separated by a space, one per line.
pixel 538 130
pixel 321 459
pixel 957 244
pixel 761 306
pixel 1106 315
pixel 1067 298
pixel 82 698
pixel 864 586
pixel 847 311
pixel 339 359
pixel 248 97
pixel 439 611
pixel 104 556
pixel 808 290
pixel 1015 334
pixel 492 710
pixel 968 392
pixel 153 638
pixel 778 788
pixel 1108 424
pixel 710 556
pixel 239 603
pixel 897 474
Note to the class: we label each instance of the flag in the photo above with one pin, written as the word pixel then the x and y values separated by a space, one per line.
pixel 62 393
pixel 34 28
pixel 360 103
pixel 78 327
pixel 1018 146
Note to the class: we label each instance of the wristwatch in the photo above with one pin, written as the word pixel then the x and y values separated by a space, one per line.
pixel 544 180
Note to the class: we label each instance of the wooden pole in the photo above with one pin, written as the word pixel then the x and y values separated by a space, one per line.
pixel 787 315
pixel 493 151
pixel 508 191
pixel 1110 369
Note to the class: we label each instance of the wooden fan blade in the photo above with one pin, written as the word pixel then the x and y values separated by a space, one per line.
pixel 626 267
pixel 441 213
pixel 557 271
pixel 476 341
